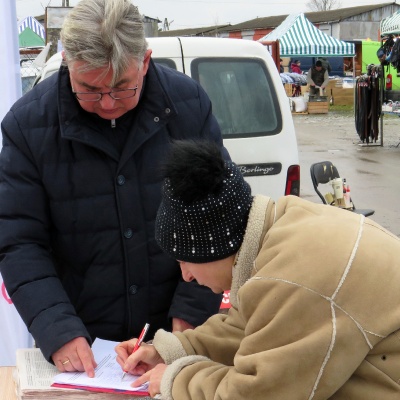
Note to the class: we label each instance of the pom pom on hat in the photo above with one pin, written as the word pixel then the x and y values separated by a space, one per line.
pixel 205 204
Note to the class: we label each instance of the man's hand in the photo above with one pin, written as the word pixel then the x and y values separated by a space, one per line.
pixel 142 360
pixel 76 355
pixel 180 325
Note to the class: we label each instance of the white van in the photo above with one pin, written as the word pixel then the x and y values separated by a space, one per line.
pixel 249 102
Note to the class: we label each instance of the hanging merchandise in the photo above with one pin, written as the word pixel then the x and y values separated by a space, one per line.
pixel 389 56
pixel 367 104
pixel 389 52
pixel 384 52
pixel 395 55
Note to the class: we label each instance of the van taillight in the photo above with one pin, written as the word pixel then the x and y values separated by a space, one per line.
pixel 293 181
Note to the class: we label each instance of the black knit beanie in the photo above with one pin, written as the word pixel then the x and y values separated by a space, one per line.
pixel 205 204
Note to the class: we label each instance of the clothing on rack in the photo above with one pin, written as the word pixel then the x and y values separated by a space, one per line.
pixel 290 77
pixel 367 104
pixel 389 52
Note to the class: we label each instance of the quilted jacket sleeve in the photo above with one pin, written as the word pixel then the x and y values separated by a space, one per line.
pixel 25 258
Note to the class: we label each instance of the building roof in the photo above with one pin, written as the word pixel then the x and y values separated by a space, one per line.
pixel 207 30
pixel 317 17
pixel 150 19
pixel 344 13
pixel 272 22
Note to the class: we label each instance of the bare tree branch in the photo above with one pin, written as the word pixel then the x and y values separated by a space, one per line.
pixel 323 5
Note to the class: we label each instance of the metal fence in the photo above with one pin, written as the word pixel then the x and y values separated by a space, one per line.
pixel 29 70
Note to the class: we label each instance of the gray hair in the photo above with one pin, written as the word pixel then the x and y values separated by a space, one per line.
pixel 104 33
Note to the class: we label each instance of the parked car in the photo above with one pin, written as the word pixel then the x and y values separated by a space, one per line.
pixel 248 100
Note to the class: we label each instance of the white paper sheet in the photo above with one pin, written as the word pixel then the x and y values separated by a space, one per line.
pixel 107 374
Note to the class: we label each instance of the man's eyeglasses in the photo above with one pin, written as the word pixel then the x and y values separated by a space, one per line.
pixel 116 94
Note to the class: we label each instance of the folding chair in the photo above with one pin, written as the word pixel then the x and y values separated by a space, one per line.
pixel 323 172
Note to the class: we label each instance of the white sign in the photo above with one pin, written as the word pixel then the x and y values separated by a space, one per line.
pixel 13 332
pixel 10 77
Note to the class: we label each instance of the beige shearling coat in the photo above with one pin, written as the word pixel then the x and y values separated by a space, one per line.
pixel 315 313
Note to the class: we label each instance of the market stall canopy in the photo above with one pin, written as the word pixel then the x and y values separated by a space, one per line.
pixel 33 24
pixel 28 38
pixel 297 36
pixel 390 25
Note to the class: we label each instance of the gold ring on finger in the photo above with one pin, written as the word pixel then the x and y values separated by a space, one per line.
pixel 65 362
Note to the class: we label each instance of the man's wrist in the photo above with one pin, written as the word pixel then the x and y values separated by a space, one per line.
pixel 180 325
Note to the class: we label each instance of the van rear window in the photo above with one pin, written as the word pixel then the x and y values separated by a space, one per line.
pixel 242 94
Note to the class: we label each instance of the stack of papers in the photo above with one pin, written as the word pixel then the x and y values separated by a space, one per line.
pixel 36 378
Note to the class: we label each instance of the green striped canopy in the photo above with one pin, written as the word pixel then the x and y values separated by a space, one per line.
pixel 390 25
pixel 299 37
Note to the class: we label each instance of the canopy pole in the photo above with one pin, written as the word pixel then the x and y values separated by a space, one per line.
pixel 381 97
pixel 354 83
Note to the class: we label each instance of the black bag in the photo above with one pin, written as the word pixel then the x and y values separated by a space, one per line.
pixel 381 52
pixel 394 58
pixel 384 51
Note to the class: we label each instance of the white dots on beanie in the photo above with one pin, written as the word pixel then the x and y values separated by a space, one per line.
pixel 207 229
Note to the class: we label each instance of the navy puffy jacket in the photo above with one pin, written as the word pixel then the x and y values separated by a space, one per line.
pixel 77 248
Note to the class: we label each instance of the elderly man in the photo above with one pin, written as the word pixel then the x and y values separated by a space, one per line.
pixel 80 189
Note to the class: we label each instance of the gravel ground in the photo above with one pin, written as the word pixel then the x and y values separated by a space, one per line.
pixel 373 171
pixel 343 121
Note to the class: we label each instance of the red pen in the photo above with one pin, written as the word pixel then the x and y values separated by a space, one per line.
pixel 138 343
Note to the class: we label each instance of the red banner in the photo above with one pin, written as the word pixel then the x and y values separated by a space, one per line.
pixel 226 303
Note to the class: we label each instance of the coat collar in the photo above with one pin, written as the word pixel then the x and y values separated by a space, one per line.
pixel 258 225
pixel 154 110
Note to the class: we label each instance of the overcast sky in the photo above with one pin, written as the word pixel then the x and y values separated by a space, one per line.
pixel 196 13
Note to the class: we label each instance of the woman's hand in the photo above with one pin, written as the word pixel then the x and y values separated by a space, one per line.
pixel 142 360
pixel 154 377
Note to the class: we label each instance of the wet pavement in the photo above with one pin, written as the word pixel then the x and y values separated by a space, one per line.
pixel 372 171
